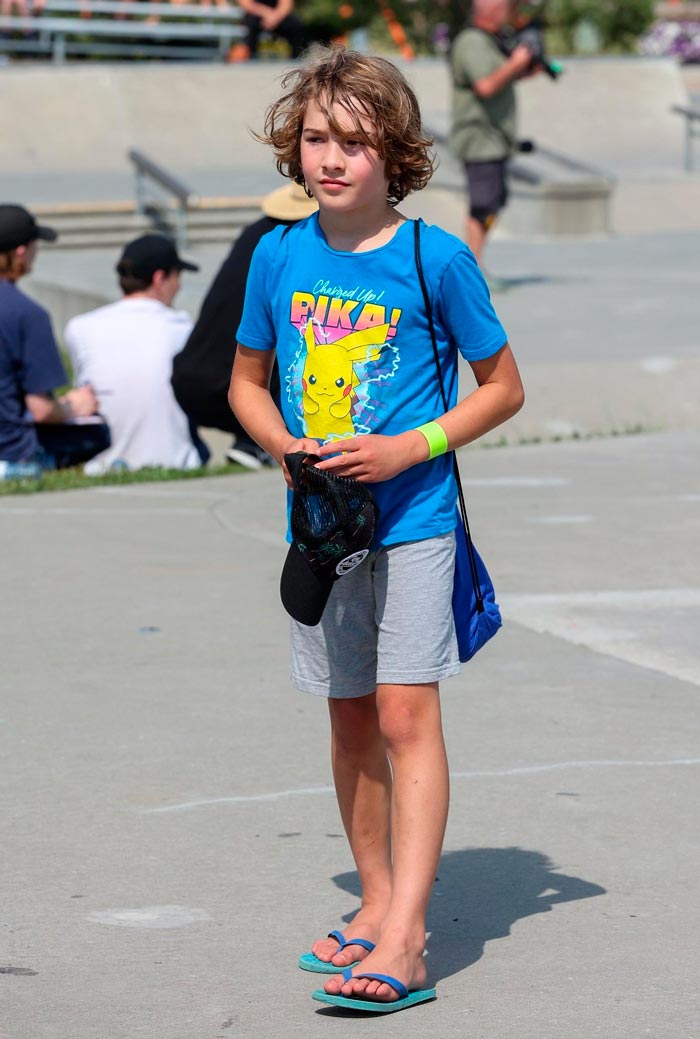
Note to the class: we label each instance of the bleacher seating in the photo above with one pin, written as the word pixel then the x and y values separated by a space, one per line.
pixel 124 29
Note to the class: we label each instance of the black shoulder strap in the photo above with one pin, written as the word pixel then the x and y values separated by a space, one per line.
pixel 455 466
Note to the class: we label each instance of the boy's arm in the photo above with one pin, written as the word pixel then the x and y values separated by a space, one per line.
pixel 251 401
pixel 373 458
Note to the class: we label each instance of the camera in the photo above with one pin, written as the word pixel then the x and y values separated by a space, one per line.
pixel 531 36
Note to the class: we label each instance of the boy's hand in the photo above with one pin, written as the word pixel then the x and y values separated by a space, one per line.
pixel 373 458
pixel 309 447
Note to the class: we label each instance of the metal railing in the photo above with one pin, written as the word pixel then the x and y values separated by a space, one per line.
pixel 124 28
pixel 692 133
pixel 148 173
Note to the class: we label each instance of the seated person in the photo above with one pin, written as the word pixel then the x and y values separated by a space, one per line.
pixel 276 17
pixel 202 372
pixel 37 430
pixel 126 349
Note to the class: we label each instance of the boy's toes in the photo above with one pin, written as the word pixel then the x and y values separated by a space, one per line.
pixel 355 987
pixel 325 949
pixel 378 990
pixel 334 985
pixel 350 954
pixel 338 986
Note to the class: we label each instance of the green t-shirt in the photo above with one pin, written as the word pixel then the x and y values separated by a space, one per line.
pixel 483 129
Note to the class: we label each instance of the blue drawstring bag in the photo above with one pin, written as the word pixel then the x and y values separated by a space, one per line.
pixel 476 614
pixel 474 607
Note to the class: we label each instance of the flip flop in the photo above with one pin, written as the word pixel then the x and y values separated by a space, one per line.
pixel 406 998
pixel 310 962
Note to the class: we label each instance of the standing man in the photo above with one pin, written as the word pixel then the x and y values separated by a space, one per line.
pixel 483 133
pixel 276 17
pixel 37 429
pixel 126 351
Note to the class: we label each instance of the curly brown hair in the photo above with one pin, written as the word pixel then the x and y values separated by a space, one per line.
pixel 366 89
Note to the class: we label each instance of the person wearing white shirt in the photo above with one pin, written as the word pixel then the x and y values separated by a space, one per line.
pixel 126 349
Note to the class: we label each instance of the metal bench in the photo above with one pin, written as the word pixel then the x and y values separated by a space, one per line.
pixel 692 132
pixel 124 29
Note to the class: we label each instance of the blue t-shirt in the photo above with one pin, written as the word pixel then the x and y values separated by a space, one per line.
pixel 354 351
pixel 29 363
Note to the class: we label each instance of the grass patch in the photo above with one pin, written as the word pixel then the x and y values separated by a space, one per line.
pixel 75 479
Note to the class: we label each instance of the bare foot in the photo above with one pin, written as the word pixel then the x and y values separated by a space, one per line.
pixel 364 925
pixel 390 957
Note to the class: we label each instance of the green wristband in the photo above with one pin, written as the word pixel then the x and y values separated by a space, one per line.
pixel 436 437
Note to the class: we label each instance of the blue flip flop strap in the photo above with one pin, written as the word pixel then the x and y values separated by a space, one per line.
pixel 343 942
pixel 386 978
pixel 369 946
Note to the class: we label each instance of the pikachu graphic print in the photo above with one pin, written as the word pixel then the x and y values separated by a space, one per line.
pixel 346 349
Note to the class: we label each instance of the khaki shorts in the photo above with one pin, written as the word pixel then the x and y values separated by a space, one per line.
pixel 389 621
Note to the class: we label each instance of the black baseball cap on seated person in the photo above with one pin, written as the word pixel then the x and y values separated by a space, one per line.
pixel 333 520
pixel 18 227
pixel 148 254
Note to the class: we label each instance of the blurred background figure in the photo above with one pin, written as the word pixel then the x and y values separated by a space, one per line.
pixel 126 349
pixel 201 373
pixel 23 8
pixel 484 125
pixel 276 17
pixel 37 430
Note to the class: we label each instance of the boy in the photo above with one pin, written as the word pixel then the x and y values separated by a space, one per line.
pixel 338 298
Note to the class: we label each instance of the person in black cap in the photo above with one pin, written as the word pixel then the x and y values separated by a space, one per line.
pixel 126 351
pixel 37 430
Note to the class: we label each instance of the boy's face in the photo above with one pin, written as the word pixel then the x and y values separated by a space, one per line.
pixel 343 174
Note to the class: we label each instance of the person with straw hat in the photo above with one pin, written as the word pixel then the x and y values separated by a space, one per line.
pixel 202 370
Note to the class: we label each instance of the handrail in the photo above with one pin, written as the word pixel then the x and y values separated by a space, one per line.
pixel 575 165
pixel 692 132
pixel 178 31
pixel 184 196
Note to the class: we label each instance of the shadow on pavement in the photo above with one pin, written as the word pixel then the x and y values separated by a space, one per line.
pixel 479 894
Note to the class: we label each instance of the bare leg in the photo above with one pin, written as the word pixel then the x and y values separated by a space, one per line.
pixel 410 722
pixel 476 237
pixel 363 786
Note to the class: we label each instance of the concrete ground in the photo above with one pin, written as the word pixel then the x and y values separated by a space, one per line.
pixel 171 840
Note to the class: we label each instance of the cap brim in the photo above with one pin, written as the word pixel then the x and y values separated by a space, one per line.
pixel 304 594
pixel 185 266
pixel 47 234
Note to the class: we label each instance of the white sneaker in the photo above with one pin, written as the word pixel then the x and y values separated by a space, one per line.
pixel 250 456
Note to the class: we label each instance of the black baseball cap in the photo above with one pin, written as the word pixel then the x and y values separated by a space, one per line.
pixel 150 253
pixel 18 227
pixel 333 520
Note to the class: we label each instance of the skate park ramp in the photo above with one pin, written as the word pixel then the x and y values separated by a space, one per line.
pixel 67 130
pixel 572 306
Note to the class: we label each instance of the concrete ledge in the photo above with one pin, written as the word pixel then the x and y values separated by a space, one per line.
pixel 572 400
pixel 559 209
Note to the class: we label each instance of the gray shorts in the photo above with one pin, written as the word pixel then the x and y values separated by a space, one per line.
pixel 389 621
